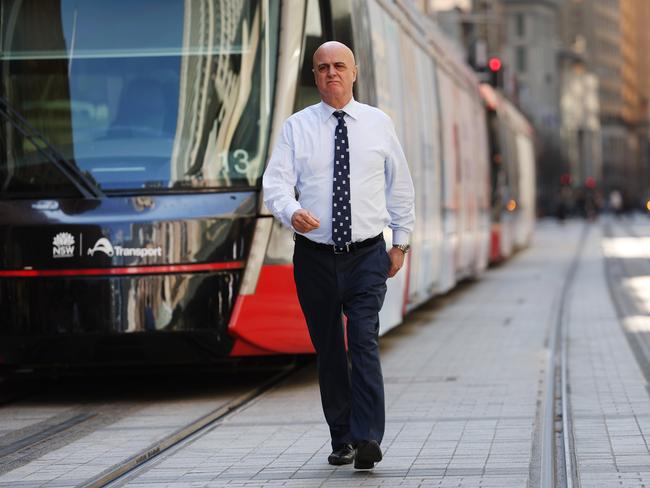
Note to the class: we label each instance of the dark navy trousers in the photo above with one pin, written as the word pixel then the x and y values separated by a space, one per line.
pixel 354 284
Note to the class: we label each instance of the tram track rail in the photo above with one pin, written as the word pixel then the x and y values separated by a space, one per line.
pixel 42 434
pixel 557 466
pixel 122 472
pixel 19 445
pixel 72 416
pixel 63 427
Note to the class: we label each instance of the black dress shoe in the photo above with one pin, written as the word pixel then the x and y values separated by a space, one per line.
pixel 342 455
pixel 368 453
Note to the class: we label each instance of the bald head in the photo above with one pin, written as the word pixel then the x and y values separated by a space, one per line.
pixel 335 73
pixel 334 47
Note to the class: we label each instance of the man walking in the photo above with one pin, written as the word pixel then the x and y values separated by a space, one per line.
pixel 352 179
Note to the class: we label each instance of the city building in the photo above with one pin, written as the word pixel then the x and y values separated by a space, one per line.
pixel 611 36
pixel 576 69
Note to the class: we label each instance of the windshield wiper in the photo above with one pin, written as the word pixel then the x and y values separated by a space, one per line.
pixel 82 182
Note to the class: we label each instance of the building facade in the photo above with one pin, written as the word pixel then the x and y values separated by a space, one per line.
pixel 612 37
pixel 579 69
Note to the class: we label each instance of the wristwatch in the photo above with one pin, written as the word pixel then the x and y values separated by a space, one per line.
pixel 402 247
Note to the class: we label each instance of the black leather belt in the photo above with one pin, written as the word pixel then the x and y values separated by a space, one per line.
pixel 331 248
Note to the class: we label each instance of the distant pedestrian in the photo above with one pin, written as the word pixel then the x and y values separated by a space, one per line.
pixel 616 202
pixel 352 180
pixel 563 205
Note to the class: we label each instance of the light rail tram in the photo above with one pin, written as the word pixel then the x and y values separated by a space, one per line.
pixel 133 139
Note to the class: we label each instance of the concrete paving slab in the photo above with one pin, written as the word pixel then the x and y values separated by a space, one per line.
pixel 608 391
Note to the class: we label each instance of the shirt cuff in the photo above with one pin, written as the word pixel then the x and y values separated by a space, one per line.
pixel 400 237
pixel 288 212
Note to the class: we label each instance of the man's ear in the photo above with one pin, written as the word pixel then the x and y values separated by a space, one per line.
pixel 356 72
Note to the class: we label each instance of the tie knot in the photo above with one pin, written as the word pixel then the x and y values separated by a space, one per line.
pixel 339 114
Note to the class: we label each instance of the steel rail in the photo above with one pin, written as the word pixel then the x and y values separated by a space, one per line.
pixel 557 373
pixel 136 462
pixel 567 444
pixel 43 434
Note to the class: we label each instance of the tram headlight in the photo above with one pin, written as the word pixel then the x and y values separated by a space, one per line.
pixel 647 205
pixel 511 206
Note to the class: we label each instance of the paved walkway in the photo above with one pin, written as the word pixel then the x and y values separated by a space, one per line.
pixel 464 380
pixel 609 395
pixel 116 430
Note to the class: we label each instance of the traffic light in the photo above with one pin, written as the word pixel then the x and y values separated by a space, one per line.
pixel 495 67
pixel 494 64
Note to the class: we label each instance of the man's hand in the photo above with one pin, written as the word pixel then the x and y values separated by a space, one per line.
pixel 303 221
pixel 397 261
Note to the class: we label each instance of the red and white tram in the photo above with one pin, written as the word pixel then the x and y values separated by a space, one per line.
pixel 133 137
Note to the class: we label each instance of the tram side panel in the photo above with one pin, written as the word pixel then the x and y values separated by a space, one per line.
pixel 473 185
pixel 496 173
pixel 425 264
pixel 526 182
pixel 483 190
pixel 421 138
pixel 465 202
pixel 523 174
pixel 385 33
pixel 507 217
pixel 475 188
pixel 412 147
pixel 450 176
pixel 512 175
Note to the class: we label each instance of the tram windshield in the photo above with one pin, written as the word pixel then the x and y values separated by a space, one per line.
pixel 140 95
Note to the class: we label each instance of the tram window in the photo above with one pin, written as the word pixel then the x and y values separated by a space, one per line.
pixel 23 174
pixel 146 95
pixel 315 35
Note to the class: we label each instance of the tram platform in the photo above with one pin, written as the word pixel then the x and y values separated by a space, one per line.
pixel 466 383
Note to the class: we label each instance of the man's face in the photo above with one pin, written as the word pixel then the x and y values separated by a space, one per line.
pixel 335 72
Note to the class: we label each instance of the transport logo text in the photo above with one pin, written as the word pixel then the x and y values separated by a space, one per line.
pixel 103 245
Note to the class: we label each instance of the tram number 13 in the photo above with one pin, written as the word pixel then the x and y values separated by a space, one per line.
pixel 237 161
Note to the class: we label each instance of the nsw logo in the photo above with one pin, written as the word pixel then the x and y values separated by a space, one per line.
pixel 102 245
pixel 63 245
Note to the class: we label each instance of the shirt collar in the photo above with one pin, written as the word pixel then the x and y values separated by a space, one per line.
pixel 352 109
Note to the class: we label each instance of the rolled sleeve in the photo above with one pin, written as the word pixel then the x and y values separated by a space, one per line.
pixel 400 194
pixel 280 178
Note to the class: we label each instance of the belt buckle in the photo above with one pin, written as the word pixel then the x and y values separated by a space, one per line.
pixel 342 251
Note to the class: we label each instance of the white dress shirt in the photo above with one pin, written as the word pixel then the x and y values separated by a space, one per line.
pixel 380 182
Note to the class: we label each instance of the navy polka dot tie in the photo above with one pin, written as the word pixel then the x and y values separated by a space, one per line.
pixel 341 210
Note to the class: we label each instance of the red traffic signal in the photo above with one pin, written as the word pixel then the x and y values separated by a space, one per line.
pixel 494 64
